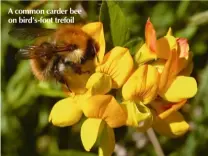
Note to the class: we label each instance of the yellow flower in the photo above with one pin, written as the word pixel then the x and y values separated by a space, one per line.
pixel 113 72
pixel 77 82
pixel 142 85
pixel 139 115
pixel 148 50
pixel 103 113
pixel 174 86
pixel 99 83
pixel 173 60
pixel 139 90
pixel 153 49
pixel 68 111
pixel 118 64
pixel 168 121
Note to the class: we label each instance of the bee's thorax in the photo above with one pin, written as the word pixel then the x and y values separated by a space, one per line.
pixel 75 56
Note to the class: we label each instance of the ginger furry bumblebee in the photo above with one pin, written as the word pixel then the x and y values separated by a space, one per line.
pixel 56 51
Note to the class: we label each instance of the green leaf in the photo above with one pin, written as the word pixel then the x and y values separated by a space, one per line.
pixel 42 117
pixel 162 15
pixel 199 18
pixel 190 145
pixel 201 96
pixel 182 8
pixel 50 89
pixel 104 18
pixel 5 40
pixel 112 15
pixel 21 88
pixel 134 45
pixel 188 32
pixel 203 87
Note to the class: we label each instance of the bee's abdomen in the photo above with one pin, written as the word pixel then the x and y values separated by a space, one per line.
pixel 43 69
pixel 38 68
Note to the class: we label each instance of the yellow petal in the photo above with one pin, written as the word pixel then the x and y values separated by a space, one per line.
pixel 65 112
pixel 90 130
pixel 165 45
pixel 169 33
pixel 188 70
pixel 138 115
pixel 148 50
pixel 144 54
pixel 142 85
pixel 182 88
pixel 186 66
pixel 150 36
pixel 169 72
pixel 105 107
pixel 118 64
pixel 183 47
pixel 95 30
pixel 172 126
pixel 107 142
pixel 99 83
pixel 165 108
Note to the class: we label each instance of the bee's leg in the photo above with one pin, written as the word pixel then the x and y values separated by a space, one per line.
pixel 67 86
pixel 59 77
pixel 95 51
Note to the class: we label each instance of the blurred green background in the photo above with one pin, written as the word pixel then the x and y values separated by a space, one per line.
pixel 26 103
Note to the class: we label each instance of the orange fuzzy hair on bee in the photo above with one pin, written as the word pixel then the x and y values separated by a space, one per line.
pixel 58 53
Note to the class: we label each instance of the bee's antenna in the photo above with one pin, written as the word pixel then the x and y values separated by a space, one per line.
pixel 94 49
pixel 97 58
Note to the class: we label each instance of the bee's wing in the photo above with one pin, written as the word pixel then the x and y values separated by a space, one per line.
pixel 32 52
pixel 30 33
pixel 46 49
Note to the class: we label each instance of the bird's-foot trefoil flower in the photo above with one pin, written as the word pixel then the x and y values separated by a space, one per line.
pixel 168 121
pixel 139 90
pixel 103 113
pixel 113 72
pixel 68 111
pixel 151 93
pixel 173 60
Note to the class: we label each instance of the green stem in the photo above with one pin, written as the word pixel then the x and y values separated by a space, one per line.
pixel 155 142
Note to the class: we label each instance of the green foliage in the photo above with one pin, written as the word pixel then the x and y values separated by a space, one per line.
pixel 26 102
pixel 134 44
pixel 113 18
